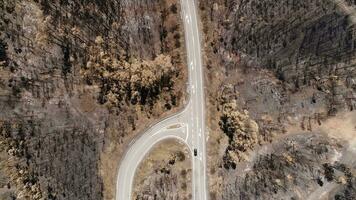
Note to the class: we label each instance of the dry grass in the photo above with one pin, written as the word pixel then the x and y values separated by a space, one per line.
pixel 174 184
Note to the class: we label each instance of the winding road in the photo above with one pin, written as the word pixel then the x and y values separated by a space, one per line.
pixel 187 126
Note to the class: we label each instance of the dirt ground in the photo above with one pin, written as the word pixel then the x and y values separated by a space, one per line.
pixel 261 64
pixel 342 126
pixel 61 136
pixel 165 173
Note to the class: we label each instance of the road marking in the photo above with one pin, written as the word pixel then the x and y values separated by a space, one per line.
pixel 174 126
pixel 192 120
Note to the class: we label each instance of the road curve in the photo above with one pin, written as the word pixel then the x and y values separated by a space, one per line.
pixel 187 126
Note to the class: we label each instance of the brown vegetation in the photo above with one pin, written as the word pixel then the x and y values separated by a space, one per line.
pixel 241 130
pixel 61 61
pixel 288 67
pixel 137 82
pixel 165 173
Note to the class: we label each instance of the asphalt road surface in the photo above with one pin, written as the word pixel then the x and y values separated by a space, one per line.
pixel 187 126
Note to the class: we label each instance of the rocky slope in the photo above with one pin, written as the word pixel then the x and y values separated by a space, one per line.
pixel 78 81
pixel 276 72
